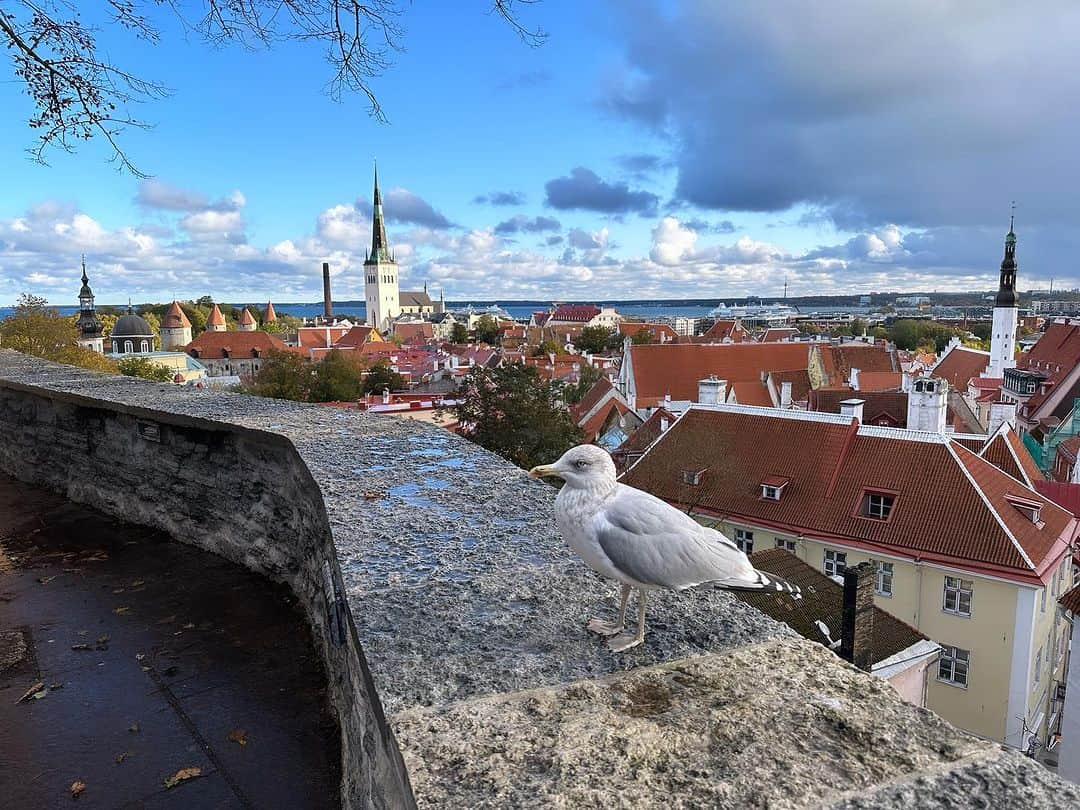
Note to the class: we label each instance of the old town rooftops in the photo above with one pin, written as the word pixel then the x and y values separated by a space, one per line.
pixel 945 503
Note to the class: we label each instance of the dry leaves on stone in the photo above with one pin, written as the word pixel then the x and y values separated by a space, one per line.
pixel 35 692
pixel 238 735
pixel 77 787
pixel 120 611
pixel 182 775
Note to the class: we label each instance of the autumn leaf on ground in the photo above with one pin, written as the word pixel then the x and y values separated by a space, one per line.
pixel 134 728
pixel 37 687
pixel 182 775
pixel 45 580
pixel 77 787
pixel 122 756
pixel 120 611
pixel 238 735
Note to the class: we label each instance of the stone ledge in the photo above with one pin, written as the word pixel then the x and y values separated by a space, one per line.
pixel 776 724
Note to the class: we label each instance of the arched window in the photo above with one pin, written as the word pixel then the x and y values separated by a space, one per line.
pixel 144 347
pixel 128 347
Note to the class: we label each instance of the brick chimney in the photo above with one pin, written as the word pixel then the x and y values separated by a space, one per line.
pixel 857 625
pixel 852 409
pixel 328 305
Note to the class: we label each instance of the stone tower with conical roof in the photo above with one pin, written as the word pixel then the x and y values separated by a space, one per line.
pixel 247 322
pixel 381 293
pixel 1003 335
pixel 88 325
pixel 215 322
pixel 175 329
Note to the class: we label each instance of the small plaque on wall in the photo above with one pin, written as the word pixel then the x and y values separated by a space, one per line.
pixel 150 431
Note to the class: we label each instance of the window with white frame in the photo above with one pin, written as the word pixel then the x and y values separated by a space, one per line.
pixel 744 539
pixel 835 562
pixel 957 596
pixel 877 505
pixel 784 543
pixel 883 585
pixel 770 493
pixel 953 666
pixel 1036 672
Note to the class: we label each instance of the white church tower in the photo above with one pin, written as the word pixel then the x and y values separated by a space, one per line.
pixel 380 272
pixel 1003 336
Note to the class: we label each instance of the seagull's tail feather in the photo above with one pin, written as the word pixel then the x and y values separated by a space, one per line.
pixel 762 583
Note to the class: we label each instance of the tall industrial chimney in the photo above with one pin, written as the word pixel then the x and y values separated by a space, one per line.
pixel 328 304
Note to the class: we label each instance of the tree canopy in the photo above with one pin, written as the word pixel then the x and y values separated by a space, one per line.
pixel 594 339
pixel 459 333
pixel 145 368
pixel 514 412
pixel 588 377
pixel 37 329
pixel 380 377
pixel 78 93
pixel 283 375
pixel 487 330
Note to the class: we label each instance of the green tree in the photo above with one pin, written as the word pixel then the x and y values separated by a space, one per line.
pixel 380 377
pixel 36 329
pixel 459 333
pixel 594 339
pixel 550 346
pixel 641 337
pixel 514 412
pixel 283 375
pixel 145 368
pixel 588 377
pixel 487 330
pixel 336 379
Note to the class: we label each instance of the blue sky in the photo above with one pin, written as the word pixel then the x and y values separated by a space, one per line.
pixel 657 150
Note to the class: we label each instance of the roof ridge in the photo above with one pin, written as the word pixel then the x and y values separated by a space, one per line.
pixel 986 500
pixel 849 439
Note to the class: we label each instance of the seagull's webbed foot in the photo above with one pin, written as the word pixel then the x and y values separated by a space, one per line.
pixel 604 628
pixel 624 641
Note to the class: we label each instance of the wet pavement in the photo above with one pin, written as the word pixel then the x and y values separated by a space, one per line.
pixel 153 658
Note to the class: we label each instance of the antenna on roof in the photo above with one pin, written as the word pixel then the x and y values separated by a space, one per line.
pixel 1012 215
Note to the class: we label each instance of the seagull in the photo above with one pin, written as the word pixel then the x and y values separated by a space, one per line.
pixel 640 541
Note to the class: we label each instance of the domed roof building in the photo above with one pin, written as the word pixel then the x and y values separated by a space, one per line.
pixel 132 335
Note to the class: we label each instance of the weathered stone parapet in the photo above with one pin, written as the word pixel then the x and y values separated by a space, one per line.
pixel 470 612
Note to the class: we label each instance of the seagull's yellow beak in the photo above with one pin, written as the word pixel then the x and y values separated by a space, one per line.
pixel 543 471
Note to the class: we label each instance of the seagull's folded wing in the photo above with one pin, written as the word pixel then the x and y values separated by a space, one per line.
pixel 656 544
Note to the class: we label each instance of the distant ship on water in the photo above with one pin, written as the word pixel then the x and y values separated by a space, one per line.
pixel 756 313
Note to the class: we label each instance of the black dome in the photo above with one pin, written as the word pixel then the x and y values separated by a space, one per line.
pixel 131 325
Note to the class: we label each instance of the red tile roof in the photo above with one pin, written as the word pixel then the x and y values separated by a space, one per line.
pixel 822 600
pixel 750 393
pixel 175 318
pixel 675 369
pixel 656 331
pixel 880 381
pixel 414 332
pixel 357 337
pixel 1006 452
pixel 1056 354
pixel 592 398
pixel 246 318
pixel 778 333
pixel 270 316
pixel 215 318
pixel 225 345
pixel 315 337
pixel 575 313
pixel 959 365
pixel 951 505
pixel 593 427
pixel 648 432
pixel 726 330
pixel 1071 599
pixel 1070 448
pixel 837 361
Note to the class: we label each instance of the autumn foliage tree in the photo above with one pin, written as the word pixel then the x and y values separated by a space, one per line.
pixel 37 329
pixel 511 410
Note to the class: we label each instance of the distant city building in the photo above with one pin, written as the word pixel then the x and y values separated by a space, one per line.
pixel 88 325
pixel 381 292
pixel 415 303
pixel 1055 307
pixel 175 328
pixel 233 354
pixel 577 315
pixel 912 300
pixel 132 335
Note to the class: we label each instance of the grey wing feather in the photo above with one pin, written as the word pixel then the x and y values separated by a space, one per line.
pixel 656 544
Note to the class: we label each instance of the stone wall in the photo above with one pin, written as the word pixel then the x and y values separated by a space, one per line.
pixel 471 613
pixel 241 493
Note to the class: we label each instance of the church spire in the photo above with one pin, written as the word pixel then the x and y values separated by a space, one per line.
pixel 1006 295
pixel 380 247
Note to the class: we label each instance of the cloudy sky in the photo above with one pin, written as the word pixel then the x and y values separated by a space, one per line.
pixel 646 150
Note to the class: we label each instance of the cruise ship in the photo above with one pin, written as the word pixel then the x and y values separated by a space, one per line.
pixel 757 314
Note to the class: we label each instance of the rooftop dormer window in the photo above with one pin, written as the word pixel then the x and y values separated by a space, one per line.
pixel 1029 509
pixel 772 487
pixel 877 505
pixel 693 477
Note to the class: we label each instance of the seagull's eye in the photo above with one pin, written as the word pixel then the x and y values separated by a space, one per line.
pixel 581 465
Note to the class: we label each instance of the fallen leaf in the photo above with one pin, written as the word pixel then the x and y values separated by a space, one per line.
pixel 120 611
pixel 134 728
pixel 29 692
pixel 77 787
pixel 139 656
pixel 238 735
pixel 370 496
pixel 122 756
pixel 182 775
pixel 137 583
pixel 80 646
pixel 46 580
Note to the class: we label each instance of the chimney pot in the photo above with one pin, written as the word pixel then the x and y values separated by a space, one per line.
pixel 857 629
pixel 785 394
pixel 852 409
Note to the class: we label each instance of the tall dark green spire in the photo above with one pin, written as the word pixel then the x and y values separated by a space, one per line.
pixel 380 246
pixel 1006 294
